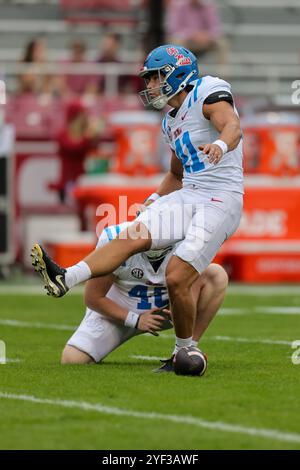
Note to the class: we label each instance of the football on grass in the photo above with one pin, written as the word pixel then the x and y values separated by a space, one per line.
pixel 190 361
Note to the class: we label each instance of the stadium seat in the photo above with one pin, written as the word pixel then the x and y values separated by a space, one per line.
pixel 34 117
pixel 103 11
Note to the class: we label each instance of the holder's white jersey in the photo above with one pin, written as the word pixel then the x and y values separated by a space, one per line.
pixel 189 129
pixel 137 287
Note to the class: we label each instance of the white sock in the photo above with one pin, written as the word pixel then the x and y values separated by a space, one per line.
pixel 194 344
pixel 78 273
pixel 182 343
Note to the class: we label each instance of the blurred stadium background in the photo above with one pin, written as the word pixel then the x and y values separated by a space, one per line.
pixel 69 69
pixel 74 134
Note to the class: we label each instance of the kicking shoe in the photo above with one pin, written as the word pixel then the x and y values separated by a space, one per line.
pixel 52 274
pixel 190 361
pixel 167 365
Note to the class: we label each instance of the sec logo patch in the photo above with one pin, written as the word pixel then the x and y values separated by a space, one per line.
pixel 137 273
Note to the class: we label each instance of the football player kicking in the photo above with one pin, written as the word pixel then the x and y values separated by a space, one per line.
pixel 199 202
pixel 130 301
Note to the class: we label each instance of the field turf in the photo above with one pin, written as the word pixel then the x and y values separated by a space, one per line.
pixel 248 398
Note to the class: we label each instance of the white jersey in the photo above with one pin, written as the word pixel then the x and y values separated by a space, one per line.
pixel 189 129
pixel 137 287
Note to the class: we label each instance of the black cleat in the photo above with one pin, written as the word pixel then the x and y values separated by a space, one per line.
pixel 167 365
pixel 190 361
pixel 52 274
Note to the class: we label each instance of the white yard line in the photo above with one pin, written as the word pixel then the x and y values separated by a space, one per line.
pixel 273 434
pixel 27 324
pixel 145 358
pixel 233 311
pixel 278 310
pixel 233 290
pixel 263 290
pixel 8 360
pixel 261 309
pixel 61 327
pixel 249 340
pixel 32 290
pixel 236 339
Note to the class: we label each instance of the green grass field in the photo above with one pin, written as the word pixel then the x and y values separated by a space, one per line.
pixel 248 399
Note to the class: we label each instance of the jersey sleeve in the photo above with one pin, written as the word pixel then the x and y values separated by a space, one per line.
pixel 216 85
pixel 166 136
pixel 209 87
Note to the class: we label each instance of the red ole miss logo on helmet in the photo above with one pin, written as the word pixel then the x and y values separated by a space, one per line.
pixel 181 59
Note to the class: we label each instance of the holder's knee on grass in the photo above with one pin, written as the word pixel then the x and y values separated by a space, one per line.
pixel 71 355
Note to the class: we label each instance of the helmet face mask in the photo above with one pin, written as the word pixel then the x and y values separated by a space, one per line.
pixel 157 97
pixel 175 68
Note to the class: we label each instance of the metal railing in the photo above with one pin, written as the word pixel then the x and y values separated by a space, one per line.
pixel 281 4
pixel 250 80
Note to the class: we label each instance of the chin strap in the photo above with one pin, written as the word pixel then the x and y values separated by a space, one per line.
pixel 162 100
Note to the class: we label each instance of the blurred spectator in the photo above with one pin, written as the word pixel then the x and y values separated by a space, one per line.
pixel 78 138
pixel 35 54
pixel 110 53
pixel 34 79
pixel 79 83
pixel 36 51
pixel 194 24
pixel 110 48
